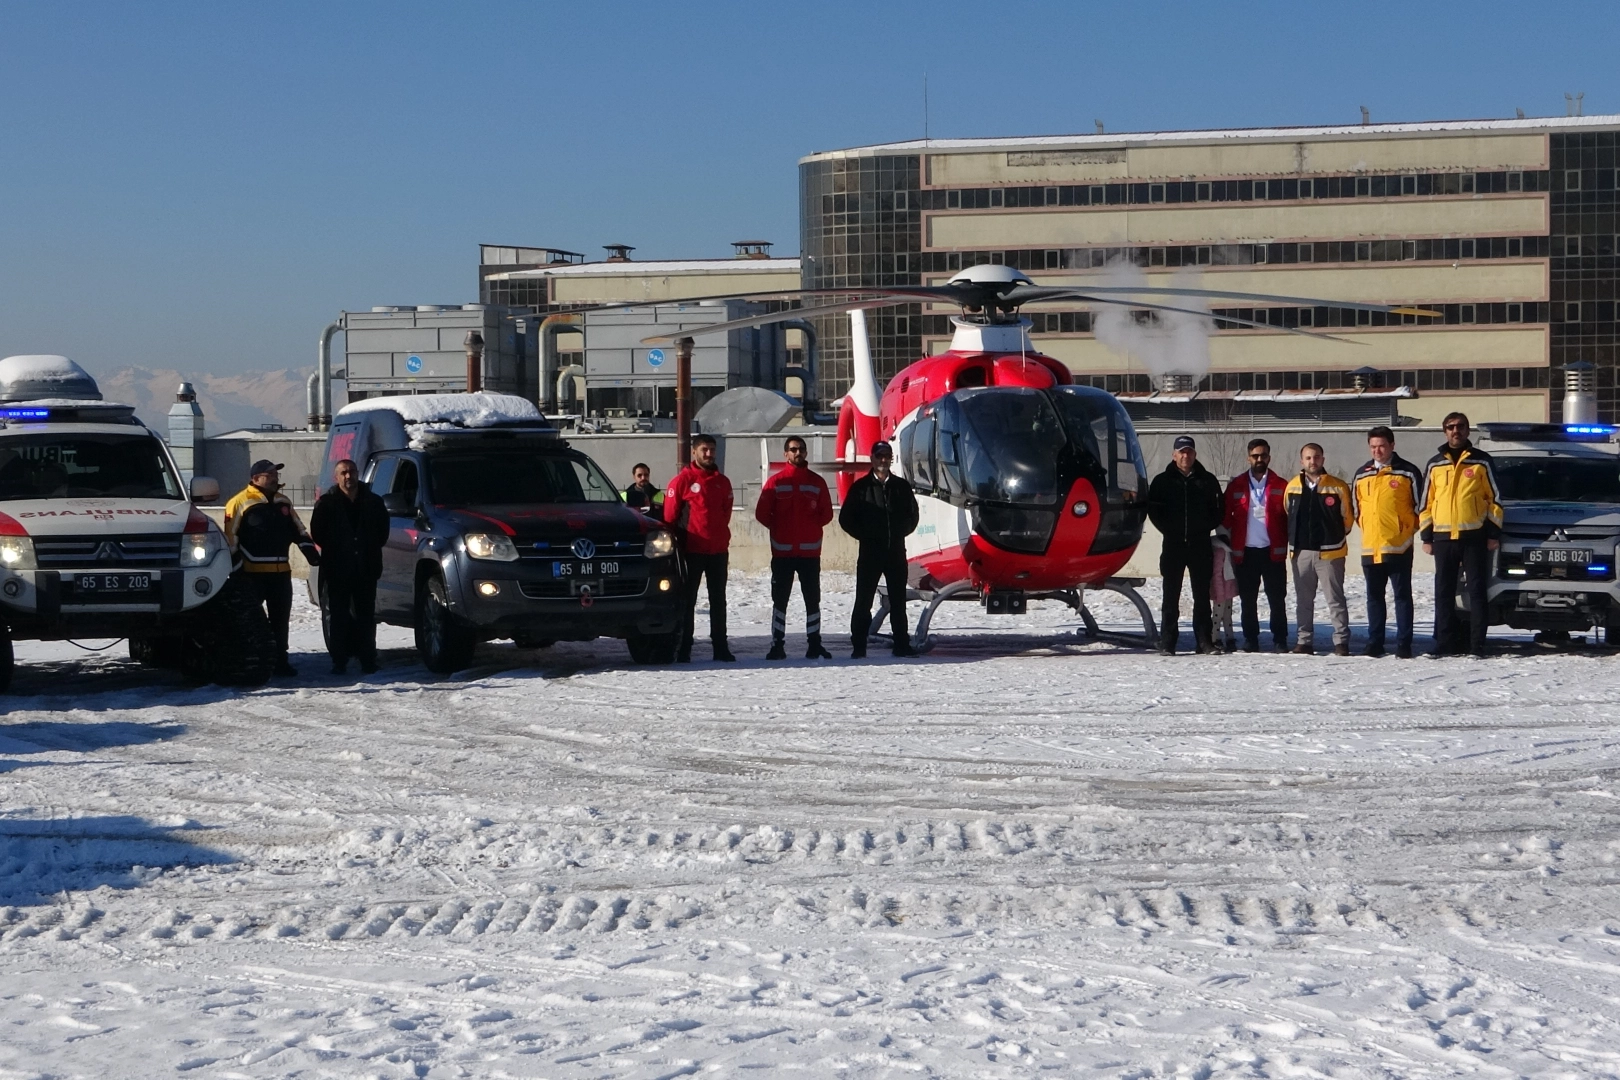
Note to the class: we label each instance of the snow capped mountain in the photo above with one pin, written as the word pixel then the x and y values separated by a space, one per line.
pixel 247 399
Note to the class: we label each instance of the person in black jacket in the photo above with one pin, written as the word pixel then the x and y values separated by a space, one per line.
pixel 880 511
pixel 1184 503
pixel 350 525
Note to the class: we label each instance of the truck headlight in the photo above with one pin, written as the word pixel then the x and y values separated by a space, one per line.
pixel 660 542
pixel 487 546
pixel 16 553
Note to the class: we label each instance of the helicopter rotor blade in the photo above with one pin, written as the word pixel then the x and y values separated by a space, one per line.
pixel 1206 315
pixel 1025 294
pixel 773 317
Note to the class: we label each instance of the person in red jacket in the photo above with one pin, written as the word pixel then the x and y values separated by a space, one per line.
pixel 794 505
pixel 1256 526
pixel 698 503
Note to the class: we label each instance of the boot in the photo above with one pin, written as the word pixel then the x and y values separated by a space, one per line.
pixel 1208 646
pixel 1343 649
pixel 858 629
pixel 1167 645
pixel 814 651
pixel 722 653
pixel 778 650
pixel 902 648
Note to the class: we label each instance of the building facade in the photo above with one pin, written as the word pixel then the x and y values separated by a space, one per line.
pixel 1507 230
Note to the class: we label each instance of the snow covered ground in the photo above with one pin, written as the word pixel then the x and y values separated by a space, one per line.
pixel 1014 857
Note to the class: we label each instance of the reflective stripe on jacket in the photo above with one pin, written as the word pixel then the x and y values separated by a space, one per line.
pixel 260 528
pixel 1459 495
pixel 794 505
pixel 698 502
pixel 1385 498
pixel 1319 518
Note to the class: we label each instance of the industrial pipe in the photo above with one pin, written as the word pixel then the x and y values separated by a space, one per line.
pixel 312 399
pixel 474 341
pixel 808 399
pixel 683 402
pixel 323 372
pixel 550 327
pixel 577 374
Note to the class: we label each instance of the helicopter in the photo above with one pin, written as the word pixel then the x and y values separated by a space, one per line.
pixel 1029 486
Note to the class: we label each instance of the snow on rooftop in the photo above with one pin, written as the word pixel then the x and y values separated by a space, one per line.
pixel 673 266
pixel 453 410
pixel 1262 134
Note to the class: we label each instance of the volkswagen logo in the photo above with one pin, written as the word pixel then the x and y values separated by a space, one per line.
pixel 584 549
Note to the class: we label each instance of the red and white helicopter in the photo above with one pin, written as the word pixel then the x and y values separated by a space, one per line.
pixel 1029 486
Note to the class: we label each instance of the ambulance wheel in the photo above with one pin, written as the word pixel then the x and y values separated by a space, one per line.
pixel 232 643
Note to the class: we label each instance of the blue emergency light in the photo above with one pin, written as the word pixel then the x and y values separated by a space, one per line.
pixel 25 414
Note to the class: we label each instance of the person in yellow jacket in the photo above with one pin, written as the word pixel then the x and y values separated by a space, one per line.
pixel 260 525
pixel 1385 494
pixel 1460 523
pixel 1319 520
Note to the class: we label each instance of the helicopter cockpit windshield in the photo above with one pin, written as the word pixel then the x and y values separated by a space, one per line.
pixel 1011 455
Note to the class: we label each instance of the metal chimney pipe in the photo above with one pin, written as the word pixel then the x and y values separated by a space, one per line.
pixel 1580 393
pixel 683 402
pixel 474 341
pixel 323 370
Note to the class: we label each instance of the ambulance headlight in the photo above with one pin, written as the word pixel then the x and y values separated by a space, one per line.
pixel 199 549
pixel 489 546
pixel 660 542
pixel 16 553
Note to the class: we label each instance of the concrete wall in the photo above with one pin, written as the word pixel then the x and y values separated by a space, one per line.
pixel 228 457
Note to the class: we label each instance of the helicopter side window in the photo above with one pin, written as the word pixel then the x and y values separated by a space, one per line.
pixel 948 478
pixel 1100 424
pixel 917 452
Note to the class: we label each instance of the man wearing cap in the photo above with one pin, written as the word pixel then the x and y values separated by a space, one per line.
pixel 260 525
pixel 880 511
pixel 1184 504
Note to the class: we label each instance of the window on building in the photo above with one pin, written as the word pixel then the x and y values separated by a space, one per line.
pixel 1467 249
pixel 1156 193
pixel 1409 185
pixel 1467 313
pixel 1202 189
pixel 1572 179
pixel 1203 256
pixel 1364 251
pixel 1515 181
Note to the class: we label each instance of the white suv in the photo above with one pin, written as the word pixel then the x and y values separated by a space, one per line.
pixel 98 538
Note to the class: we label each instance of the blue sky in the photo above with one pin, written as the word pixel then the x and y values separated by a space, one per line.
pixel 204 186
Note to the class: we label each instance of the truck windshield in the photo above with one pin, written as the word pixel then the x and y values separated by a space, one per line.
pixel 507 479
pixel 1558 479
pixel 76 466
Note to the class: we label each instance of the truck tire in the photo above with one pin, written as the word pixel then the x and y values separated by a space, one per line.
pixel 445 645
pixel 231 644
pixel 652 648
pixel 8 661
pixel 155 651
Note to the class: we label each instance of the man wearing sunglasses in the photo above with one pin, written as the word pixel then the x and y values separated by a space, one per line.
pixel 1460 523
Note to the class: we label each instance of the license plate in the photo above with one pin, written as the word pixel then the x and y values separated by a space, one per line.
pixel 1557 556
pixel 112 583
pixel 592 568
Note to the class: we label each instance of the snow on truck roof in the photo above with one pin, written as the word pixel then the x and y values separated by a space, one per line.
pixel 454 410
pixel 46 377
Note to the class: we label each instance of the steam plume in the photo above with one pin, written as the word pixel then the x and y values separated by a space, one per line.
pixel 1171 344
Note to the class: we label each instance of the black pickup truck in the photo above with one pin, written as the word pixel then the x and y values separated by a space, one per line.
pixel 500 530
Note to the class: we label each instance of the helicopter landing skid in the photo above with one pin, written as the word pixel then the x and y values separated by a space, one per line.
pixel 1074 598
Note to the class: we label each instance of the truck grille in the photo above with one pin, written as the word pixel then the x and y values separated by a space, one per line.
pixel 1541 534
pixel 97 552
pixel 561 590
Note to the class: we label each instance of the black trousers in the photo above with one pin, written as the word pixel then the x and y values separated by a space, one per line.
pixel 1258 568
pixel 1467 554
pixel 712 568
pixel 274 591
pixel 1396 572
pixel 782 571
pixel 891 570
pixel 1197 561
pixel 351 605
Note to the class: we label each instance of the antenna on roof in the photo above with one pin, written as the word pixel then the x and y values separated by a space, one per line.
pixel 1099 124
pixel 1366 117
pixel 925 108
